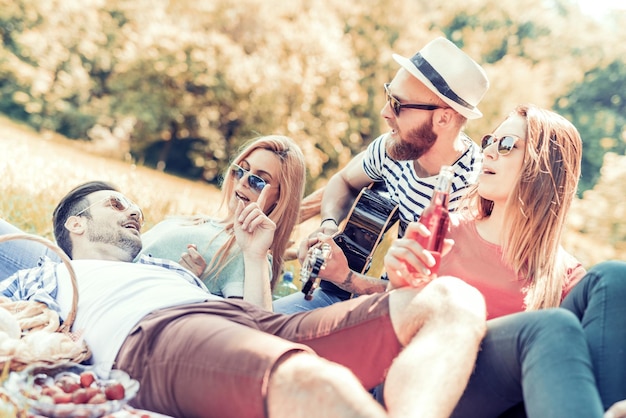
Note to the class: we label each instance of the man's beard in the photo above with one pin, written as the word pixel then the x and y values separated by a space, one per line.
pixel 414 144
pixel 131 244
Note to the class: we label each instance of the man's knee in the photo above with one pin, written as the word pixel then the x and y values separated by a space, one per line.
pixel 458 297
pixel 451 300
pixel 310 384
pixel 445 302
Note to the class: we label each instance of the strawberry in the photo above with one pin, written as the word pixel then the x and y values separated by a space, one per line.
pixel 87 378
pixel 115 392
pixel 68 384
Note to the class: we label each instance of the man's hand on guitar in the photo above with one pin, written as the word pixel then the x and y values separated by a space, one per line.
pixel 335 268
pixel 324 260
pixel 407 263
pixel 328 227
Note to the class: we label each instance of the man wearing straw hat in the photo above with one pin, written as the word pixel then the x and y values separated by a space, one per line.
pixel 196 354
pixel 429 101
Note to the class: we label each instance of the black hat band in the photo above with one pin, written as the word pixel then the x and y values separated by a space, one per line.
pixel 437 80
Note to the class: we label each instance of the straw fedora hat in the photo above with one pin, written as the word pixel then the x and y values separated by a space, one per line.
pixel 450 73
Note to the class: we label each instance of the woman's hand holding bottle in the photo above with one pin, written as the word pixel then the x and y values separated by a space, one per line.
pixel 408 263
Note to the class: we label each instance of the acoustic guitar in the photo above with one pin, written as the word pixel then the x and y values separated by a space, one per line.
pixel 371 216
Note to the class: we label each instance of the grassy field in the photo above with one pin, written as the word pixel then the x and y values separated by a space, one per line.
pixel 38 169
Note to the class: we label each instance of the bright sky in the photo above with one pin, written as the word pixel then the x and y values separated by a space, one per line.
pixel 599 7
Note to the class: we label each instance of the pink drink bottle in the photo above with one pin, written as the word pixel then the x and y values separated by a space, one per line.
pixel 436 216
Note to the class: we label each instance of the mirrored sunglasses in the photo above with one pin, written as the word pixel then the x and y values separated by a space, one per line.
pixel 119 203
pixel 255 182
pixel 396 106
pixel 505 143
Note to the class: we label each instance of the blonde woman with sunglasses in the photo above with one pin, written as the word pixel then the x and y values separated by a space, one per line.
pixel 267 179
pixel 506 242
pixel 507 239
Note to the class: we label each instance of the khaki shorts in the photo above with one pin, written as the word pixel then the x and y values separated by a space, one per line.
pixel 214 359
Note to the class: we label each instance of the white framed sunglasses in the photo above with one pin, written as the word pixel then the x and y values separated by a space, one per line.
pixel 119 203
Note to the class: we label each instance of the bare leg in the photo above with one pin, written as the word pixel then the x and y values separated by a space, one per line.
pixel 441 328
pixel 305 386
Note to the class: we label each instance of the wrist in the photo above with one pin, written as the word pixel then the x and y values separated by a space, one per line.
pixel 329 220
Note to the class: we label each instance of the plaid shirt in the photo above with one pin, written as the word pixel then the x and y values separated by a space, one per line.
pixel 40 283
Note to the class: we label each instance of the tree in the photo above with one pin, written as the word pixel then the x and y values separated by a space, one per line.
pixel 597 107
pixel 595 229
pixel 184 84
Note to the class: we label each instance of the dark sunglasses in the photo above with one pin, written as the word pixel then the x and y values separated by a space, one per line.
pixel 505 143
pixel 119 203
pixel 396 106
pixel 255 182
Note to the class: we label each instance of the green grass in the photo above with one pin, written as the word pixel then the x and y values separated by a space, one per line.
pixel 37 170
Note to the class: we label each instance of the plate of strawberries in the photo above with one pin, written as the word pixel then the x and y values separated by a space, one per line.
pixel 70 390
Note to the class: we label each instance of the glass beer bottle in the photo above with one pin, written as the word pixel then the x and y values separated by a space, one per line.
pixel 436 216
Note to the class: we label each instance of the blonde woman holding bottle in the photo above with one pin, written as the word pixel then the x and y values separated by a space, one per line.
pixel 506 243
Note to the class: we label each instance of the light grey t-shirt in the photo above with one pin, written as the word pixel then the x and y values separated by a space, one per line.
pixel 169 238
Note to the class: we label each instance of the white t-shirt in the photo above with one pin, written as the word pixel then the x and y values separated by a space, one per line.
pixel 116 296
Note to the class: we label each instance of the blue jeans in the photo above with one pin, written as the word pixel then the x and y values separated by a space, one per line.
pixel 599 302
pixel 539 357
pixel 20 254
pixel 296 302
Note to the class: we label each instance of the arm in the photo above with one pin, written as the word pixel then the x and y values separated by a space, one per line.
pixel 254 232
pixel 337 199
pixel 342 188
pixel 256 283
pixel 336 270
pixel 38 284
pixel 362 284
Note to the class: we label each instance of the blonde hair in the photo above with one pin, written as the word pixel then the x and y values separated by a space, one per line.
pixel 284 213
pixel 538 205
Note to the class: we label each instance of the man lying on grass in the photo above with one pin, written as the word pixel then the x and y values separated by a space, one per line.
pixel 196 354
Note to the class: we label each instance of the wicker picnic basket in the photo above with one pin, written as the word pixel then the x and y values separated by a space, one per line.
pixel 35 317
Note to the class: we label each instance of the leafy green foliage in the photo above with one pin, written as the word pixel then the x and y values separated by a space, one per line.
pixel 597 107
pixel 181 85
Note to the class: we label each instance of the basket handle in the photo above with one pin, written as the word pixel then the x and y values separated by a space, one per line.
pixel 67 324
